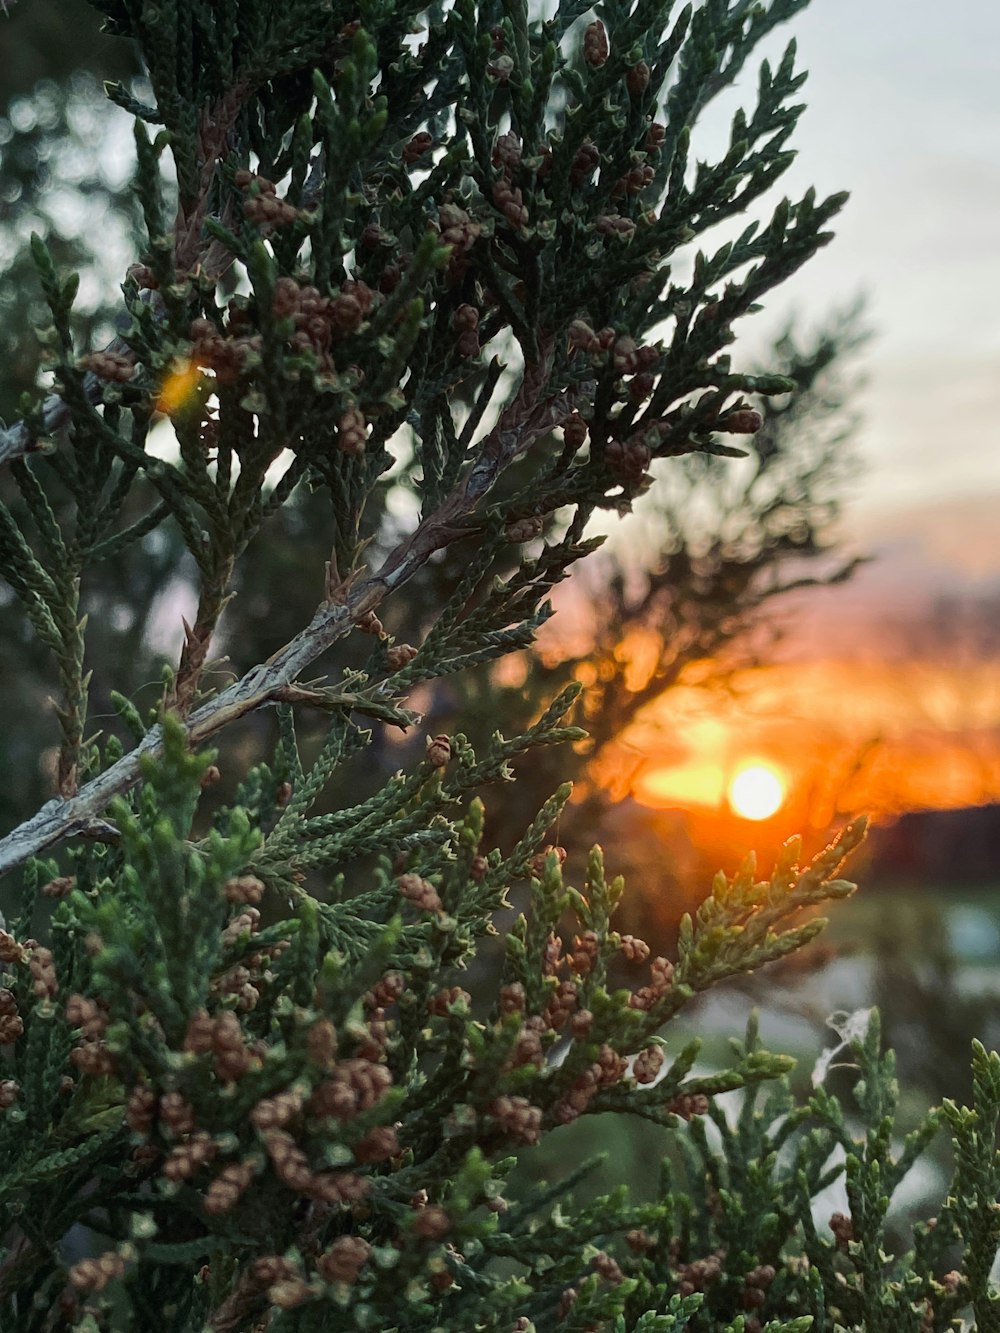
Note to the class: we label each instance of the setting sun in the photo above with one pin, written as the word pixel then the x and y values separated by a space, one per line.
pixel 756 792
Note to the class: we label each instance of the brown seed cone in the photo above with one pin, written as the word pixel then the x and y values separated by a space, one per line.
pixel 91 1275
pixel 10 950
pixel 352 431
pixel 345 1258
pixel 595 44
pixel 439 751
pixel 420 892
pixel 140 1109
pixel 745 421
pixel 516 1115
pixel 607 1267
pixel 420 144
pixel 637 79
pixel 575 431
pixel 647 1064
pixel 378 1145
pixel 11 1028
pixel 228 1185
pixel 400 655
pixel 59 887
pixel 432 1223
pixel 244 889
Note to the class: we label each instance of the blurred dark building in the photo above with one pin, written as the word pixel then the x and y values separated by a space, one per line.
pixel 949 846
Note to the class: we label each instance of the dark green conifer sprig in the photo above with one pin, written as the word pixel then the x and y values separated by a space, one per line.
pixel 746 1205
pixel 970 1208
pixel 333 1059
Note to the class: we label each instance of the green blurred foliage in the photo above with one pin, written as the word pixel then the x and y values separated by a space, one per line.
pixel 55 39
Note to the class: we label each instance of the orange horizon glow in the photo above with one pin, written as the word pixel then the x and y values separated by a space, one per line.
pixel 844 737
pixel 682 786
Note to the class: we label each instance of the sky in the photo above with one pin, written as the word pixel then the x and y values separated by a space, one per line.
pixel 903 109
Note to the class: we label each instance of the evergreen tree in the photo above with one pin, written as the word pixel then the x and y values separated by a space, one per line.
pixel 442 243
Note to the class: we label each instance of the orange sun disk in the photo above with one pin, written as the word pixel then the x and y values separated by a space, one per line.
pixel 756 792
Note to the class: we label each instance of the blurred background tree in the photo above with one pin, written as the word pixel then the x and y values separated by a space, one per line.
pixel 56 126
pixel 54 40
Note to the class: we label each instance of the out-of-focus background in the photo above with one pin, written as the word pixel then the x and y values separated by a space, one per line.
pixel 768 647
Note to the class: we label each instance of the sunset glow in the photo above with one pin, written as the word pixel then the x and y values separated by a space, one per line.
pixel 844 738
pixel 756 792
pixel 683 786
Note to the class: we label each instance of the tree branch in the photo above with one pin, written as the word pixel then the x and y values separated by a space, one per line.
pixel 525 419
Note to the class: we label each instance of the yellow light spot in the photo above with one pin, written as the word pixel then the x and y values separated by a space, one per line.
pixel 756 792
pixel 682 786
pixel 178 388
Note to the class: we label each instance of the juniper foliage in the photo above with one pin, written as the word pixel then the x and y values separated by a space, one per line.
pixel 242 1069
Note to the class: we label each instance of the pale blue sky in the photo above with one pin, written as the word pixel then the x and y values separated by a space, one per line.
pixel 904 110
